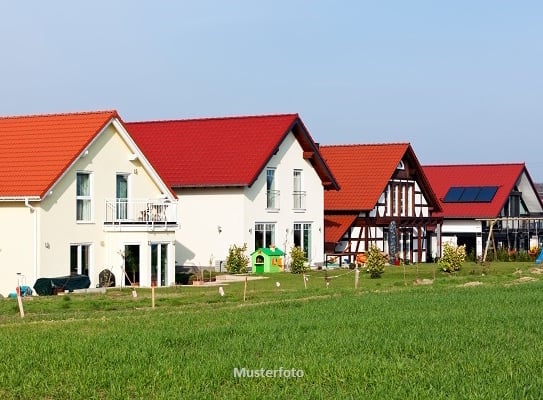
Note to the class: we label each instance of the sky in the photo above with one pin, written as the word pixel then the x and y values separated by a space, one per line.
pixel 461 81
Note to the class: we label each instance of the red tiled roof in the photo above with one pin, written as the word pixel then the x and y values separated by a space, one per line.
pixel 228 151
pixel 362 171
pixel 504 176
pixel 335 226
pixel 35 150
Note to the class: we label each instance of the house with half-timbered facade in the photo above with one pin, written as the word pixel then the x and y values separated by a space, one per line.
pixel 385 201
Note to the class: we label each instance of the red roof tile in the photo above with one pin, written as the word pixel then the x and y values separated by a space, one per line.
pixel 228 151
pixel 504 176
pixel 35 150
pixel 335 226
pixel 362 172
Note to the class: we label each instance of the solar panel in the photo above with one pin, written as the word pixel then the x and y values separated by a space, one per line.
pixel 470 194
pixel 487 193
pixel 453 194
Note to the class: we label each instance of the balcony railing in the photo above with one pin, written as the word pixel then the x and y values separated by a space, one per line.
pixel 299 200
pixel 272 200
pixel 141 211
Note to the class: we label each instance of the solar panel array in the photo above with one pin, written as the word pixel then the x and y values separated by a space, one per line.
pixel 470 194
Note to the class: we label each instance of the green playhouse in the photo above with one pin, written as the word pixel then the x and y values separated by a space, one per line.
pixel 267 260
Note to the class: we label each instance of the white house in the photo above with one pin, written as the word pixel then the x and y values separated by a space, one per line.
pixel 258 180
pixel 77 196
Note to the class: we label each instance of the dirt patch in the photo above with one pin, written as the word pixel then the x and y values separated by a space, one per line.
pixel 423 282
pixel 470 284
pixel 536 270
pixel 526 279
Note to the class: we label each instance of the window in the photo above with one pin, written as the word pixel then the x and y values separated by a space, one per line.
pixel 298 194
pixel 264 235
pixel 83 197
pixel 272 194
pixel 159 264
pixel 122 196
pixel 79 259
pixel 302 238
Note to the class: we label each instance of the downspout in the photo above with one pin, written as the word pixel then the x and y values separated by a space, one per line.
pixel 35 238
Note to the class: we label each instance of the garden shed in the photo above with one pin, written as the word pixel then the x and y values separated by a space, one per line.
pixel 267 260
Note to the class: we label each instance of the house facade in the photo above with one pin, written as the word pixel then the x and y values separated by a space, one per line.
pixel 255 180
pixel 385 201
pixel 476 197
pixel 77 196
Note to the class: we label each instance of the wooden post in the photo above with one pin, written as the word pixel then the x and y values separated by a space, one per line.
pixel 305 281
pixel 19 298
pixel 153 296
pixel 245 289
pixel 356 276
pixel 326 279
pixel 20 301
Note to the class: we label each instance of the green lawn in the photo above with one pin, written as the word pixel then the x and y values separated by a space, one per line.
pixel 387 339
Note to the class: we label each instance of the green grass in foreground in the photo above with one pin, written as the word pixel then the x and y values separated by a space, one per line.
pixel 388 339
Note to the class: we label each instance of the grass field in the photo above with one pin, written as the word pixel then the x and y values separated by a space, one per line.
pixel 463 336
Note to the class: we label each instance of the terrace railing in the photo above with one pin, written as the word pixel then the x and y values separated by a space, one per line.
pixel 140 211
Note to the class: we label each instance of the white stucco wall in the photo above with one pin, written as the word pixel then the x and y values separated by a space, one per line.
pixel 57 228
pixel 199 240
pixel 461 226
pixel 16 245
pixel 236 210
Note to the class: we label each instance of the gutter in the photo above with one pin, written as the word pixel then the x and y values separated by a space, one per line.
pixel 35 237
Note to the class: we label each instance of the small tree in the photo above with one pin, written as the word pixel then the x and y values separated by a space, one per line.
pixel 375 263
pixel 453 257
pixel 298 261
pixel 237 259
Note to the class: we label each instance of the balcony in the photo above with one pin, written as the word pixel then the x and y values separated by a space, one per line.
pixel 150 213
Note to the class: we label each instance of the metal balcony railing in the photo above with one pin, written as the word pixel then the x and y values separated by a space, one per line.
pixel 140 211
pixel 272 199
pixel 299 200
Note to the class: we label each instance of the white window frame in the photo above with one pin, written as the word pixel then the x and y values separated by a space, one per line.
pixel 298 193
pixel 265 227
pixel 79 260
pixel 302 228
pixel 84 198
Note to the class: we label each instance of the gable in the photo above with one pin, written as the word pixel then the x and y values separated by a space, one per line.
pixel 363 171
pixel 36 150
pixel 230 151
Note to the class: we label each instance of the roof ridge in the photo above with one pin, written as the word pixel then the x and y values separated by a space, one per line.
pixel 228 117
pixel 61 114
pixel 504 164
pixel 365 144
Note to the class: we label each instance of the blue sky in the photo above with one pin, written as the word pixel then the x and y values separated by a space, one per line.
pixel 461 81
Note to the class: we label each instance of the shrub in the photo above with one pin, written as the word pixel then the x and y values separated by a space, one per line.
pixel 375 263
pixel 298 261
pixel 237 259
pixel 453 257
